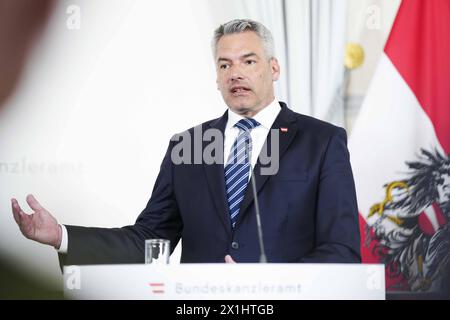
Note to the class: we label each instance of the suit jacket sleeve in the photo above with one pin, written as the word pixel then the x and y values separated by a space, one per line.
pixel 160 219
pixel 337 223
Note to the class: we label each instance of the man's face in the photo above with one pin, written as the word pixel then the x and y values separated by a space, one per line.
pixel 245 74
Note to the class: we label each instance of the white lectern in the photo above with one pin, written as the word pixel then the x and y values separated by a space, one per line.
pixel 284 281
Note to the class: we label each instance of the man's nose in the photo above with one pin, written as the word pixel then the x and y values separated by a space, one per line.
pixel 236 74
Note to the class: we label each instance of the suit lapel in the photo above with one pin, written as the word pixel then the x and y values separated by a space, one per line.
pixel 286 119
pixel 215 177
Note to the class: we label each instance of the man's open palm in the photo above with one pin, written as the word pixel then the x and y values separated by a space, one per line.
pixel 40 225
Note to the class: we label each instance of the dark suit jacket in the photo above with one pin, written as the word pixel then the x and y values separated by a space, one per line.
pixel 308 209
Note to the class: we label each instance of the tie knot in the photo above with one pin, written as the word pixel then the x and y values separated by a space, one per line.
pixel 247 124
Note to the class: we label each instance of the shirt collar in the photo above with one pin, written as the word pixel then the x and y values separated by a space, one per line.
pixel 265 117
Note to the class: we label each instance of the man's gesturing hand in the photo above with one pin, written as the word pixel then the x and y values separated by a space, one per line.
pixel 229 259
pixel 39 226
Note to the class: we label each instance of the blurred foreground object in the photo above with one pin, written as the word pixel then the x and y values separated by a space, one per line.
pixel 20 23
pixel 17 285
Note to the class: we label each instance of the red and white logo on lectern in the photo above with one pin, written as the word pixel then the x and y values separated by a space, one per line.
pixel 157 288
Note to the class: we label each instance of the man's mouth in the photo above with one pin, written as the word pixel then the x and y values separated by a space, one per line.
pixel 239 90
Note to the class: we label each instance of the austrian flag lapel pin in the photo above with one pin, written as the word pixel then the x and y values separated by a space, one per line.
pixel 284 130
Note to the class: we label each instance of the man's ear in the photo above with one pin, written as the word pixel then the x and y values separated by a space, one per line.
pixel 275 69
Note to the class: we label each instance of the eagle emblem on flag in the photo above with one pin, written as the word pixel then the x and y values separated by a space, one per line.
pixel 411 228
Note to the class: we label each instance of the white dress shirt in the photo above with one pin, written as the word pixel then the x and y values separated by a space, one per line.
pixel 265 117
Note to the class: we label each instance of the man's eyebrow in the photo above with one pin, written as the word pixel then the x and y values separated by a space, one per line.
pixel 245 56
pixel 223 59
pixel 248 55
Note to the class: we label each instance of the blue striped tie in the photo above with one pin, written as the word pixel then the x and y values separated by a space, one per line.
pixel 237 169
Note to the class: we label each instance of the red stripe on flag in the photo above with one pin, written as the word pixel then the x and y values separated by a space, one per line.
pixel 419 47
pixel 370 255
pixel 367 248
pixel 440 217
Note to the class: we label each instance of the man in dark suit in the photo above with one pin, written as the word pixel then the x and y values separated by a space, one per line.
pixel 307 205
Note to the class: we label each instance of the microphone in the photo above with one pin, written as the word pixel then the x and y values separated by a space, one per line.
pixel 262 256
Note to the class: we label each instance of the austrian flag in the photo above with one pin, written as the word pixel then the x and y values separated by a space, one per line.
pixel 400 147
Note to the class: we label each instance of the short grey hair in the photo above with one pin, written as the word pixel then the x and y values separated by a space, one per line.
pixel 242 25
